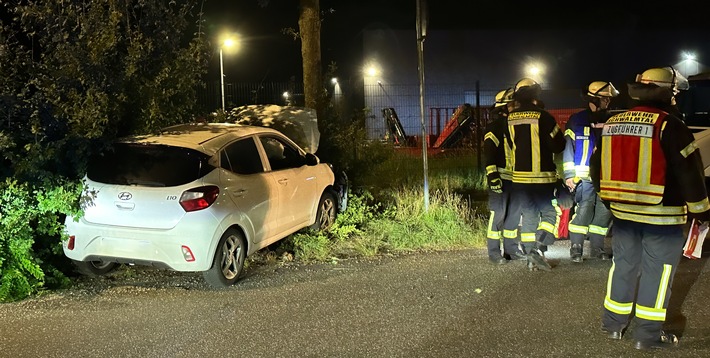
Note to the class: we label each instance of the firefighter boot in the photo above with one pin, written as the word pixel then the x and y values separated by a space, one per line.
pixel 536 259
pixel 512 250
pixel 494 255
pixel 666 340
pixel 597 245
pixel 575 253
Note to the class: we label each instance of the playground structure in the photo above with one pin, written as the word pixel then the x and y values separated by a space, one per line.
pixel 464 128
pixel 459 131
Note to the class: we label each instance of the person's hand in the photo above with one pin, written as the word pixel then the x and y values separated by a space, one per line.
pixel 571 185
pixel 701 218
pixel 495 183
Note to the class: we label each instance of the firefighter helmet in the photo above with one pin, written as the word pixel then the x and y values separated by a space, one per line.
pixel 526 88
pixel 664 77
pixel 598 89
pixel 503 97
pixel 525 82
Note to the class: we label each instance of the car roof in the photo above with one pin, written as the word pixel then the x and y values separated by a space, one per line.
pixel 204 137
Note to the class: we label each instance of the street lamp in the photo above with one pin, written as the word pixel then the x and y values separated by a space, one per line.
pixel 689 65
pixel 226 43
pixel 535 70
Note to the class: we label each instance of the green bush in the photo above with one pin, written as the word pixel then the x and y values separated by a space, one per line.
pixel 131 67
pixel 27 215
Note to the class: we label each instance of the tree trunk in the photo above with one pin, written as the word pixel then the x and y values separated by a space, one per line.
pixel 309 28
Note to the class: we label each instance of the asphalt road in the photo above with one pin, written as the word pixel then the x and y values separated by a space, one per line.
pixel 443 304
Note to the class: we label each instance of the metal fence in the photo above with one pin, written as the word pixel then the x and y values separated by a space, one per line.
pixel 440 104
pixel 209 98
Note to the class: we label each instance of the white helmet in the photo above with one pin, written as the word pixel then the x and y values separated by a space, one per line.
pixel 598 89
pixel 664 77
pixel 504 97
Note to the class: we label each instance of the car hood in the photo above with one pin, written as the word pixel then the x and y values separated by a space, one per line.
pixel 300 124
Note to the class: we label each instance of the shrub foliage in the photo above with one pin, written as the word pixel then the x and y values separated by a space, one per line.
pixel 76 75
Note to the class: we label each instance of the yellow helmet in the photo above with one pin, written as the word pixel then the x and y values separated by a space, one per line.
pixel 525 82
pixel 664 77
pixel 600 89
pixel 503 97
pixel 526 89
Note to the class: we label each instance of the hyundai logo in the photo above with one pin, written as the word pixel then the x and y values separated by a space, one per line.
pixel 124 195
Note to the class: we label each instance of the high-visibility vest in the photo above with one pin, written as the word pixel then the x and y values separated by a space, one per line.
pixel 633 168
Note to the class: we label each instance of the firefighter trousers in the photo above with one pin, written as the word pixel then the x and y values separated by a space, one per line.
pixel 591 218
pixel 645 260
pixel 540 215
pixel 498 206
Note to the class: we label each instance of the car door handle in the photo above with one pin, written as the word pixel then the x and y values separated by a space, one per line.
pixel 283 181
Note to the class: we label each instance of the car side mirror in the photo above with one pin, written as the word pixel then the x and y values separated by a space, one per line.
pixel 311 159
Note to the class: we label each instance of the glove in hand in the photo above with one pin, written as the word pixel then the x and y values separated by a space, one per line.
pixel 495 183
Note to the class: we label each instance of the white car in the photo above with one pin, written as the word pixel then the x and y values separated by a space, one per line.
pixel 702 142
pixel 198 197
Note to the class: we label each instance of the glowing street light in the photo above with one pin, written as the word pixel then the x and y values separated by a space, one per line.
pixel 227 42
pixel 535 70
pixel 689 65
pixel 371 70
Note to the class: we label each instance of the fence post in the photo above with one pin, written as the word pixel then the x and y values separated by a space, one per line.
pixel 479 134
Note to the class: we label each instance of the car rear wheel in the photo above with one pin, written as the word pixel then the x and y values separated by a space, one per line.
pixel 94 268
pixel 327 211
pixel 228 262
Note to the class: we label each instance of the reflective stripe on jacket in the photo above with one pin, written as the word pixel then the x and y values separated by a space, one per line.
pixel 581 134
pixel 683 190
pixel 536 137
pixel 636 170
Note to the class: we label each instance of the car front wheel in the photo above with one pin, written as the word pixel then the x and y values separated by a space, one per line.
pixel 228 262
pixel 327 210
pixel 94 268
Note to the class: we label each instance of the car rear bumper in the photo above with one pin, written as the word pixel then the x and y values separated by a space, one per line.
pixel 149 247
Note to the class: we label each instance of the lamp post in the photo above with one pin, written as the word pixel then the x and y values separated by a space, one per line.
pixel 227 43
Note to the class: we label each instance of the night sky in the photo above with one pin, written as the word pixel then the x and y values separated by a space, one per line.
pixel 596 40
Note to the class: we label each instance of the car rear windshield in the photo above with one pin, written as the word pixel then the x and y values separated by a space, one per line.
pixel 148 165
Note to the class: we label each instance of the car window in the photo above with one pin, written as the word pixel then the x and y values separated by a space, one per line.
pixel 281 154
pixel 242 157
pixel 148 165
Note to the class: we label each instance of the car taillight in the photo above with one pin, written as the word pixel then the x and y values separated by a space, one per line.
pixel 199 198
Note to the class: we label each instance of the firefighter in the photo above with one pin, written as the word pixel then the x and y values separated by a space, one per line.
pixel 647 169
pixel 591 218
pixel 535 138
pixel 498 178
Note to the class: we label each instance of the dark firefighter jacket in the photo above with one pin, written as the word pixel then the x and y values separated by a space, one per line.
pixel 534 139
pixel 496 144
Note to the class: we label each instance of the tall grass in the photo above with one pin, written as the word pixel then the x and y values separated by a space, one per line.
pixel 386 211
pixel 449 222
pixel 389 215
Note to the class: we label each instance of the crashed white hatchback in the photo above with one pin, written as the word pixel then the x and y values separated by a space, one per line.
pixel 702 142
pixel 199 197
